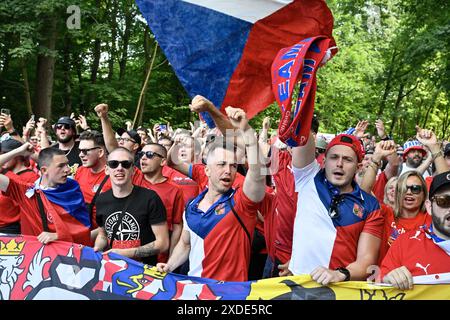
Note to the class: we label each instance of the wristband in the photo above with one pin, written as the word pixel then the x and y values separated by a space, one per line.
pixel 345 272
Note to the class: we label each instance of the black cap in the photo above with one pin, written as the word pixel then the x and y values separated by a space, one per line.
pixel 439 181
pixel 447 149
pixel 9 145
pixel 66 120
pixel 132 133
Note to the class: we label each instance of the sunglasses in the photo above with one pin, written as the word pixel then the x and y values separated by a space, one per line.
pixel 126 139
pixel 150 154
pixel 415 188
pixel 333 212
pixel 113 164
pixel 63 125
pixel 85 151
pixel 442 201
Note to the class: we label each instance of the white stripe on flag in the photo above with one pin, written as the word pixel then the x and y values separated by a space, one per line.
pixel 247 10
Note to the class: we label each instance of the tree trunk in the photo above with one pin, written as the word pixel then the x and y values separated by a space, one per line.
pixel 45 71
pixel 397 107
pixel 26 87
pixel 67 78
pixel 126 39
pixel 97 48
pixel 387 89
pixel 430 108
pixel 112 50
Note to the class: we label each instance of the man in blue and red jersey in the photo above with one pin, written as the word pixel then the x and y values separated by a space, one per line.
pixel 338 226
pixel 219 223
pixel 64 215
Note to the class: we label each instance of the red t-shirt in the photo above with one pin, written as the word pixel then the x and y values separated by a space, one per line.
pixel 89 183
pixel 418 253
pixel 394 227
pixel 286 208
pixel 10 210
pixel 190 187
pixel 378 187
pixel 172 197
pixel 59 221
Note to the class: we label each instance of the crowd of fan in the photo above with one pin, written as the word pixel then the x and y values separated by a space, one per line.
pixel 231 203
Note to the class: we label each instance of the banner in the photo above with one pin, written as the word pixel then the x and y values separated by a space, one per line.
pixel 223 49
pixel 30 270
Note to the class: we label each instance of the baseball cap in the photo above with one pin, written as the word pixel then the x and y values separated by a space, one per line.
pixel 447 149
pixel 349 141
pixel 439 181
pixel 413 145
pixel 132 133
pixel 66 120
pixel 9 145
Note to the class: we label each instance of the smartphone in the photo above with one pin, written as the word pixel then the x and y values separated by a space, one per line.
pixel 5 111
pixel 162 127
pixel 32 117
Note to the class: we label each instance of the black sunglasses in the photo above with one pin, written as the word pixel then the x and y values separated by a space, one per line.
pixel 150 154
pixel 333 212
pixel 85 151
pixel 415 188
pixel 113 164
pixel 63 125
pixel 442 201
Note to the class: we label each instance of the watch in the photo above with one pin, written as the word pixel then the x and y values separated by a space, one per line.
pixel 345 272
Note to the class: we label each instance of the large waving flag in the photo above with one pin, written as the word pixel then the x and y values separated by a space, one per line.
pixel 223 49
pixel 60 270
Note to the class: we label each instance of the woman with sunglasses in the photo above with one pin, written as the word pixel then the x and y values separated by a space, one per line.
pixel 409 211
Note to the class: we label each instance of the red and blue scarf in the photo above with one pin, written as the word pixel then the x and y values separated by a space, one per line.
pixel 298 63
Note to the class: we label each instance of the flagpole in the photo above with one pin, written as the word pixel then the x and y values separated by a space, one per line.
pixel 144 87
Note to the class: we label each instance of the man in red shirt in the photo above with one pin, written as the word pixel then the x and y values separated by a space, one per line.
pixel 220 222
pixel 153 160
pixel 63 215
pixel 91 176
pixel 425 251
pixel 15 168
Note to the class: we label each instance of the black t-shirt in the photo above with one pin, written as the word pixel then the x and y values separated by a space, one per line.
pixel 143 207
pixel 73 155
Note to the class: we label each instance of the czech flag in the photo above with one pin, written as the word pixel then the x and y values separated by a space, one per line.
pixel 223 49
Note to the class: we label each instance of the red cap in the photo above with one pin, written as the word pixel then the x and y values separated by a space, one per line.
pixel 349 141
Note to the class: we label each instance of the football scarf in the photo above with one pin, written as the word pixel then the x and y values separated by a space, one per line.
pixel 298 63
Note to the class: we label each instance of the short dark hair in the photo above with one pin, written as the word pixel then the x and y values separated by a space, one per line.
pixel 46 155
pixel 162 149
pixel 95 136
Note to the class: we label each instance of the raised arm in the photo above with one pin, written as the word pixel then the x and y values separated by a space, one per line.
pixel 383 149
pixel 254 186
pixel 201 104
pixel 429 139
pixel 24 150
pixel 108 132
pixel 305 155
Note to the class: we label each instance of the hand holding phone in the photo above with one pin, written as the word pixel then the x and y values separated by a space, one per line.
pixel 5 111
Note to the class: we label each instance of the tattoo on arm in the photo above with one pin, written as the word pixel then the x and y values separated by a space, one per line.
pixel 146 250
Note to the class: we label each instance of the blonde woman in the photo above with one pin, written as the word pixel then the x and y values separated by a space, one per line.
pixel 409 211
pixel 389 192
